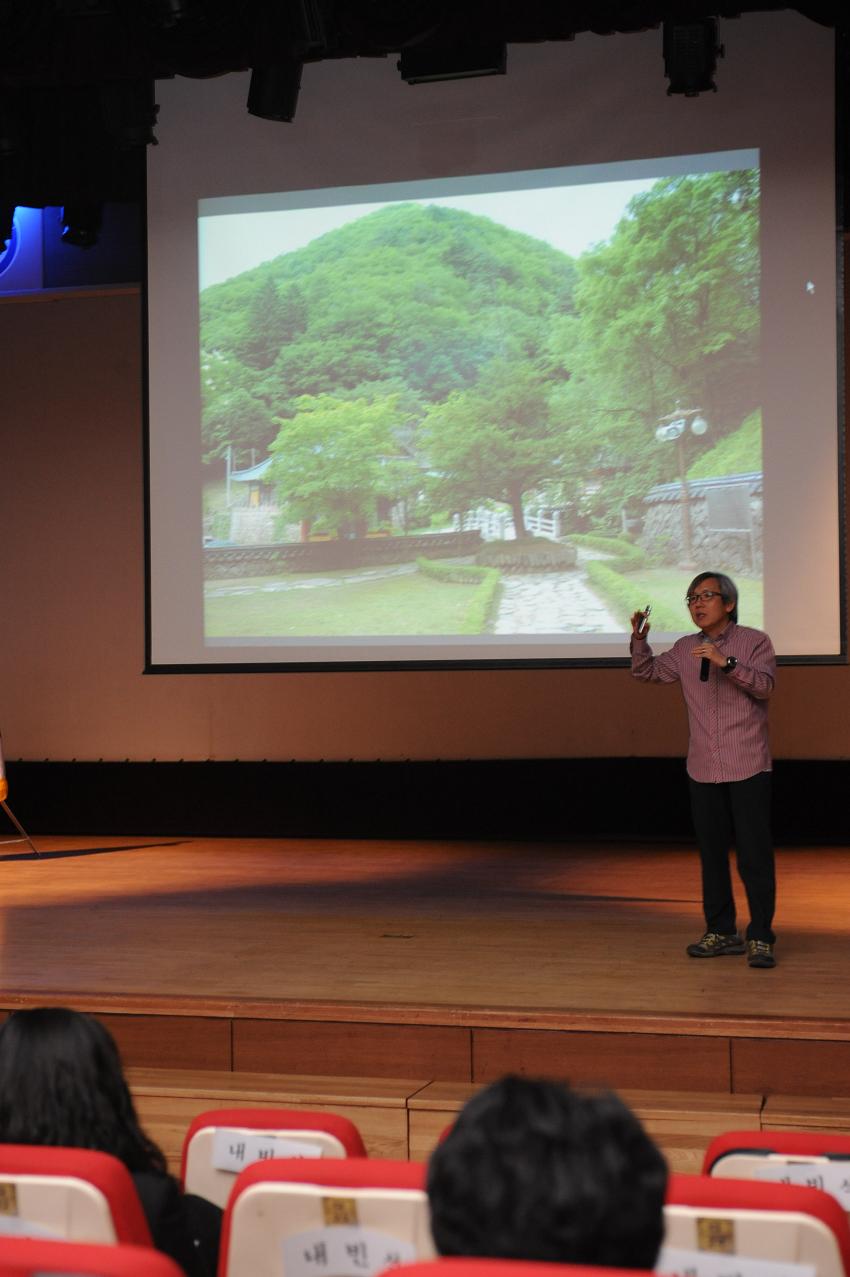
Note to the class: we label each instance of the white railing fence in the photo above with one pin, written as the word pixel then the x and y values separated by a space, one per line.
pixel 498 525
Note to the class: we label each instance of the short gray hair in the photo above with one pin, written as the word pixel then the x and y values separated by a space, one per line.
pixel 728 589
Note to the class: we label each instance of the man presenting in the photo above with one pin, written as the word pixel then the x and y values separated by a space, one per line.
pixel 727 672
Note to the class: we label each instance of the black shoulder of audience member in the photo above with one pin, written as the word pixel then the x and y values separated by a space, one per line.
pixel 532 1170
pixel 62 1085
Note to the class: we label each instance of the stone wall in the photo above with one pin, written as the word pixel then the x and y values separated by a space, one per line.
pixel 662 535
pixel 325 556
pixel 253 525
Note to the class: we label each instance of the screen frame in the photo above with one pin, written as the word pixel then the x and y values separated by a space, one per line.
pixel 842 203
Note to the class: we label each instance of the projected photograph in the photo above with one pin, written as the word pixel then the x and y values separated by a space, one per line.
pixel 523 408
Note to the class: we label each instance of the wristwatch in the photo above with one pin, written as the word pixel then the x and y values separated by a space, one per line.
pixel 731 662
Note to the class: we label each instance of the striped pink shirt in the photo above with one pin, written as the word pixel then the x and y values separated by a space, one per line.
pixel 727 716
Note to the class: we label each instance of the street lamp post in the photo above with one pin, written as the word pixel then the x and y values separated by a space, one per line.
pixel 672 429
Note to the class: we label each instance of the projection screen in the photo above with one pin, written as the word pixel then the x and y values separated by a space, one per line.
pixel 466 372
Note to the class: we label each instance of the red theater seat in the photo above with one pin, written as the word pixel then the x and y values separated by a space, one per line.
pixel 75 1194
pixel 31 1257
pixel 758 1220
pixel 318 1134
pixel 740 1154
pixel 465 1267
pixel 283 1212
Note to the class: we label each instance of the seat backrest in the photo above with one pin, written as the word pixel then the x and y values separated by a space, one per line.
pixel 295 1218
pixel 465 1267
pixel 30 1257
pixel 780 1222
pixel 71 1193
pixel 813 1159
pixel 222 1142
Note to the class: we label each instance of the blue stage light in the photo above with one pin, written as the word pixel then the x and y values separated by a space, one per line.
pixel 21 260
pixel 9 239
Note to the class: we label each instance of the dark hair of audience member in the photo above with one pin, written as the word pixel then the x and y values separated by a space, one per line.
pixel 534 1171
pixel 61 1083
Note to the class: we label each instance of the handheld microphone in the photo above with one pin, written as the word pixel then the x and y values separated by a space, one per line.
pixel 703 666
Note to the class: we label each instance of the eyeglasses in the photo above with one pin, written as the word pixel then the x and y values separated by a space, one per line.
pixel 705 597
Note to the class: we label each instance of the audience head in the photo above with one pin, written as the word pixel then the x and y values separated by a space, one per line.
pixel 61 1084
pixel 531 1170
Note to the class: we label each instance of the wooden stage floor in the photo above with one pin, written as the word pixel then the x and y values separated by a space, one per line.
pixel 441 960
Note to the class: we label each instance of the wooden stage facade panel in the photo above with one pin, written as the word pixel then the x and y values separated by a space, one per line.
pixel 377 1050
pixel 172 1041
pixel 653 1061
pixel 447 962
pixel 791 1067
pixel 631 1060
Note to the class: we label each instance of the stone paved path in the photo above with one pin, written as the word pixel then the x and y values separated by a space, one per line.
pixel 551 603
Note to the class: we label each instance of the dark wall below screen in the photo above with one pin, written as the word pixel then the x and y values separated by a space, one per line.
pixel 569 800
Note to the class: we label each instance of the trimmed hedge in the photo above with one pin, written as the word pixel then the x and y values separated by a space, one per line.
pixel 619 593
pixel 625 557
pixel 457 573
pixel 484 604
pixel 484 600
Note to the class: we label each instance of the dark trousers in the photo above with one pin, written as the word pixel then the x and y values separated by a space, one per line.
pixel 736 813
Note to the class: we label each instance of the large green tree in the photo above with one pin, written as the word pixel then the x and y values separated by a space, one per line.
pixel 239 421
pixel 234 415
pixel 337 457
pixel 497 441
pixel 666 313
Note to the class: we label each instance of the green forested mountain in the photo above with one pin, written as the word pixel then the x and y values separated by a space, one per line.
pixel 422 298
pixel 423 354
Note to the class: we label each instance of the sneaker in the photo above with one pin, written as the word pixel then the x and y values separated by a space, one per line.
pixel 714 944
pixel 760 954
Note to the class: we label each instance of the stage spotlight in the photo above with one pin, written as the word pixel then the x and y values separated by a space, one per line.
pixel 273 91
pixel 81 224
pixel 691 51
pixel 425 64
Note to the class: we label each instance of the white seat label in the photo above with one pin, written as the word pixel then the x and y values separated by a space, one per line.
pixel 234 1150
pixel 708 1263
pixel 344 1250
pixel 831 1177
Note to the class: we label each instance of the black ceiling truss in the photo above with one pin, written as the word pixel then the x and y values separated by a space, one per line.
pixel 77 77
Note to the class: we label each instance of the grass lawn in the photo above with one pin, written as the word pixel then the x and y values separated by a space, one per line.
pixel 665 589
pixel 407 604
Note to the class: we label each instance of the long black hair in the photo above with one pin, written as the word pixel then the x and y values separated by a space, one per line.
pixel 61 1084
